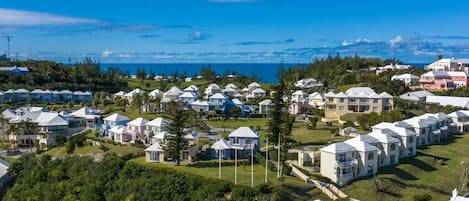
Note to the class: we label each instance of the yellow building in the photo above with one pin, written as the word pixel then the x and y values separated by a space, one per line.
pixel 356 100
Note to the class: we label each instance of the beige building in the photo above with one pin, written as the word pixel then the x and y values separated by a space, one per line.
pixel 356 100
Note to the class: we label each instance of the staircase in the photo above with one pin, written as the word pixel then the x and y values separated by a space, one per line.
pixel 329 189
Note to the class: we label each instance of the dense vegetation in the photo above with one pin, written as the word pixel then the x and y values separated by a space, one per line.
pixel 81 178
pixel 83 76
pixel 351 71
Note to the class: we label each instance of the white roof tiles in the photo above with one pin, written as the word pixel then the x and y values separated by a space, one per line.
pixel 220 145
pixel 244 132
pixel 86 112
pixel 360 145
pixel 159 122
pixel 266 102
pixel 187 95
pixel 155 93
pixel 217 96
pixel 231 85
pixel 339 147
pixel 135 91
pixel 462 102
pixel 116 117
pixel 258 90
pixel 138 122
pixel 155 147
pixel 459 113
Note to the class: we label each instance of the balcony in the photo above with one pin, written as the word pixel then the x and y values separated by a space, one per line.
pixel 347 164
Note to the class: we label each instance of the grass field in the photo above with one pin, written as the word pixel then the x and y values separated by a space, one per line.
pixel 319 136
pixel 418 175
pixel 234 124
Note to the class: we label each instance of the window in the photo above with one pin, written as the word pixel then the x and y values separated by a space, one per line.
pixel 341 157
pixel 375 109
pixel 248 141
pixel 410 151
pixel 375 100
pixel 393 159
pixel 235 140
pixel 393 147
pixel 154 156
pixel 370 156
pixel 370 169
pixel 341 100
pixel 331 99
pixel 341 108
pixel 411 139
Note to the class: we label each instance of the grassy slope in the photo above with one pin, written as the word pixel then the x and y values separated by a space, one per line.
pixel 118 149
pixel 418 175
pixel 292 189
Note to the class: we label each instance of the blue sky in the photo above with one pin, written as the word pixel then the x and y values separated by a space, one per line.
pixel 159 31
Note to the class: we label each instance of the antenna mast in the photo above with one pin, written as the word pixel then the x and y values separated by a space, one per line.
pixel 8 43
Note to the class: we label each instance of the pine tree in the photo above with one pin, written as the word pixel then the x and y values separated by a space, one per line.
pixel 175 142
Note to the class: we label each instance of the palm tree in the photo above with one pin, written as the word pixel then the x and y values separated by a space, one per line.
pixel 9 131
pixel 138 101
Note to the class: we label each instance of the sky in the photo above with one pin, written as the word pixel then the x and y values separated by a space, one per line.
pixel 235 31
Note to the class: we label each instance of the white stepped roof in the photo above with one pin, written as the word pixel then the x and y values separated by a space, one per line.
pixel 338 147
pixel 258 90
pixel 116 117
pixel 155 93
pixel 187 95
pixel 244 132
pixel 360 145
pixel 358 90
pixel 51 119
pixel 231 85
pixel 212 86
pixel 462 102
pixel 316 95
pixel 404 76
pixel 155 147
pixel 174 91
pixel 135 91
pixel 120 93
pixel 21 91
pixel 220 145
pixel 161 135
pixel 86 112
pixel 138 122
pixel 159 122
pixel 382 137
pixel 265 102
pixel 118 129
pixel 254 85
pixel 217 96
pixel 459 113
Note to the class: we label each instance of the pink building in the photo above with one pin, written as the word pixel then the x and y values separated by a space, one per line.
pixel 443 80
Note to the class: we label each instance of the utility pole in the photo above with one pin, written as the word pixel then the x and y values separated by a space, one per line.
pixel 8 44
pixel 463 178
pixel 236 164
pixel 252 164
pixel 219 159
pixel 266 157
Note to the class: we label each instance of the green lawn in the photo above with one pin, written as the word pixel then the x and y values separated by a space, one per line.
pixel 319 136
pixel 90 150
pixel 234 124
pixel 210 169
pixel 418 175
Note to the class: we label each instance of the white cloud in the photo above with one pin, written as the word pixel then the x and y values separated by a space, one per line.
pixel 106 53
pixel 395 40
pixel 12 17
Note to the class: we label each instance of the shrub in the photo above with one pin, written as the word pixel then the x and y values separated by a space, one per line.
pixel 69 147
pixel 422 197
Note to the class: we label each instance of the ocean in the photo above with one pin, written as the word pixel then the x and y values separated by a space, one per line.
pixel 266 71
